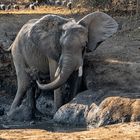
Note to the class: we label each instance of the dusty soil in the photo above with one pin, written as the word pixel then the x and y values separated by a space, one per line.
pixel 114 132
pixel 129 36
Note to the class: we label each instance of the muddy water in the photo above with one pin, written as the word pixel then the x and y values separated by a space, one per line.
pixel 49 126
pixel 59 128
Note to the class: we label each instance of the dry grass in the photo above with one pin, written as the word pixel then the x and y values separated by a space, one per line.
pixel 46 10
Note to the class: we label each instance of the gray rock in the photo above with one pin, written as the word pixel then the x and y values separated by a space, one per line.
pixel 45 105
pixel 75 112
pixel 95 108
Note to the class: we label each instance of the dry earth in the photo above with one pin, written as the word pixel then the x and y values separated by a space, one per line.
pixel 129 131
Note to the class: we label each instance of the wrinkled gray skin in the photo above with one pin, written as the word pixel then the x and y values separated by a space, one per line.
pixel 54 45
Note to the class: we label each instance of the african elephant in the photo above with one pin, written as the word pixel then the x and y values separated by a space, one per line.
pixel 56 45
pixel 2 7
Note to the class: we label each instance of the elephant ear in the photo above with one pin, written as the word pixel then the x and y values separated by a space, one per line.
pixel 100 26
pixel 45 34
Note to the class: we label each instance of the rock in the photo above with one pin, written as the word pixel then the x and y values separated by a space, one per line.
pixel 115 110
pixel 95 108
pixel 72 114
pixel 91 116
pixel 45 104
pixel 75 112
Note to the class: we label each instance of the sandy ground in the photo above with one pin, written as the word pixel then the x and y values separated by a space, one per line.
pixel 130 131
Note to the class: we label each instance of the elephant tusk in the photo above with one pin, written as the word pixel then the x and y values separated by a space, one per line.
pixel 38 83
pixel 57 72
pixel 80 71
pixel 41 86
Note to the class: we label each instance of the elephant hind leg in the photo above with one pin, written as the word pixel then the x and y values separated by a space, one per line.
pixel 23 84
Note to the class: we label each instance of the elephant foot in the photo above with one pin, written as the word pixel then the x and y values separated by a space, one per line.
pixel 21 113
pixel 24 113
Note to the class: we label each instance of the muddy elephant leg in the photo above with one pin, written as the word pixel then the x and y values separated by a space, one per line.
pixel 74 83
pixel 58 102
pixel 23 85
pixel 31 99
pixel 32 95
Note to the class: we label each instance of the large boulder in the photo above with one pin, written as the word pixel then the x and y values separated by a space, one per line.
pixel 114 110
pixel 97 108
pixel 75 111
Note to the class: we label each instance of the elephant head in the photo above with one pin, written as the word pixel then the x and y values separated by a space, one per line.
pixel 71 37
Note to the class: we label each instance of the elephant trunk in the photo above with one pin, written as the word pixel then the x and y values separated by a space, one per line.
pixel 68 66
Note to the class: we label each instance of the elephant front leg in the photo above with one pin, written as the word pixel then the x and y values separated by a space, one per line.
pixel 31 101
pixel 58 102
pixel 67 92
pixel 74 83
pixel 58 92
pixel 32 94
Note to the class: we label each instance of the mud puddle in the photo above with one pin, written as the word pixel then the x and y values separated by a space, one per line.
pixel 43 125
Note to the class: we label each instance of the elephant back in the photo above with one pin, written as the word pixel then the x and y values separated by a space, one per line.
pixel 45 34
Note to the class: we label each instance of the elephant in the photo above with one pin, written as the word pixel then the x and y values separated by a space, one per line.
pixel 69 5
pixel 16 7
pixel 2 7
pixel 9 6
pixel 56 46
pixel 32 6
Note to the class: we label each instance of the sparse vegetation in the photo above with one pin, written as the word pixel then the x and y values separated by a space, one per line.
pixel 46 10
pixel 119 7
